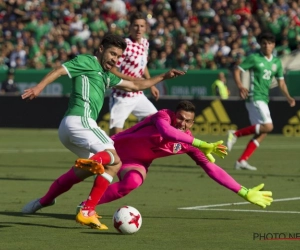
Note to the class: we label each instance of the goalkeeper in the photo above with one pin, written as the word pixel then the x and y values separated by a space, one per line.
pixel 164 134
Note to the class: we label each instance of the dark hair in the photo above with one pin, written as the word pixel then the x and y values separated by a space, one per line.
pixel 136 16
pixel 266 36
pixel 112 40
pixel 186 106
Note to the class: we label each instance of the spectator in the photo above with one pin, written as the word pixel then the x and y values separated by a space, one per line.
pixel 9 85
pixel 116 6
pixel 275 25
pixel 206 11
pixel 20 53
pixel 284 48
pixel 76 24
pixel 236 54
pixel 225 50
pixel 39 25
pixel 97 24
pixel 206 54
pixel 292 31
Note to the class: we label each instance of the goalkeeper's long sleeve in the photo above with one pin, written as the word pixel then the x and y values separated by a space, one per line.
pixel 222 177
pixel 214 171
pixel 162 123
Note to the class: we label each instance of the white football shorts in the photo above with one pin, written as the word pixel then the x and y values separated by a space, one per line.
pixel 83 136
pixel 259 112
pixel 122 107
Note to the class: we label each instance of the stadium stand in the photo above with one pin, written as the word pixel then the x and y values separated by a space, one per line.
pixel 201 34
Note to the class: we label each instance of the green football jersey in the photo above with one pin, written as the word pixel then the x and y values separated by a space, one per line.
pixel 262 71
pixel 89 83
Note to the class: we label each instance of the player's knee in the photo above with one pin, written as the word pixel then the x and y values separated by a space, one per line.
pixel 115 158
pixel 132 180
pixel 268 127
pixel 113 169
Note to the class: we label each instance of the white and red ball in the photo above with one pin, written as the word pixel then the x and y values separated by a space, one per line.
pixel 127 220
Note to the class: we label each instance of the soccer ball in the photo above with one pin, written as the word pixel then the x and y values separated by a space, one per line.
pixel 127 220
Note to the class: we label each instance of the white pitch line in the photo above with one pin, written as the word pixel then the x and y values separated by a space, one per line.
pixel 267 147
pixel 255 211
pixel 233 204
pixel 215 205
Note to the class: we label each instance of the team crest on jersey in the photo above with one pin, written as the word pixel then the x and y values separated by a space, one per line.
pixel 142 62
pixel 274 67
pixel 176 148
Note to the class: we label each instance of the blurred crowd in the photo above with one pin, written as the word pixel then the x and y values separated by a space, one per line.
pixel 194 34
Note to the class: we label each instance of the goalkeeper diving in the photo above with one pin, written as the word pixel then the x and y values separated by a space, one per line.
pixel 162 134
pixel 168 133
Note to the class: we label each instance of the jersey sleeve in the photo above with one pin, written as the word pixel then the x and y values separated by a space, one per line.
pixel 78 65
pixel 248 63
pixel 147 49
pixel 113 80
pixel 162 120
pixel 279 72
pixel 213 171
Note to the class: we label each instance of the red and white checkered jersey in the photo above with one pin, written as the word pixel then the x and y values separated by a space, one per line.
pixel 133 63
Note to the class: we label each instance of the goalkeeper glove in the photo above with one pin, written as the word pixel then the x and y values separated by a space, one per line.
pixel 209 148
pixel 255 196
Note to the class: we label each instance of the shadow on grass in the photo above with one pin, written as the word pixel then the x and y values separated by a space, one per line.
pixel 105 217
pixel 23 179
pixel 9 224
pixel 3 226
pixel 55 166
pixel 39 215
pixel 95 231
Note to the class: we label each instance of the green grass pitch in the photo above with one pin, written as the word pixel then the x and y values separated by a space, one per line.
pixel 31 159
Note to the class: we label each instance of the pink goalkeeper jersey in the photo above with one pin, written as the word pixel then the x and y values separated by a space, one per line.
pixel 153 138
pixel 148 140
pixel 133 63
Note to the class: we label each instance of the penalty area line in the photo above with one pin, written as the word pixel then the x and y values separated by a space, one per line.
pixel 234 204
pixel 248 210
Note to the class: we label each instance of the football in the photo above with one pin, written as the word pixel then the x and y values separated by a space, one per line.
pixel 127 220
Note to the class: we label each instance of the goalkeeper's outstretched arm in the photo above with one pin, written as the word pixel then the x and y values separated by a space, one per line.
pixel 254 195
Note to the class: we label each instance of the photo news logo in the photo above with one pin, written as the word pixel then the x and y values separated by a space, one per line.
pixel 276 236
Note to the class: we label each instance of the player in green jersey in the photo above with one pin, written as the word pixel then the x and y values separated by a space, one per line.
pixel 263 67
pixel 79 131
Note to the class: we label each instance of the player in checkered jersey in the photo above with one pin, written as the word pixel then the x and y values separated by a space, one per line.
pixel 132 65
